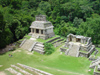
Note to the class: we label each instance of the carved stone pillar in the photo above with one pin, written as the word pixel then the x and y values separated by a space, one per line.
pixel 39 31
pixel 34 30
pixel 44 32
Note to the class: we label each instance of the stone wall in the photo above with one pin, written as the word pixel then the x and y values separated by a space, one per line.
pixel 58 40
pixel 95 72
pixel 51 35
pixel 43 37
pixel 50 30
pixel 41 52
pixel 57 44
pixel 52 39
pixel 47 24
pixel 81 54
pixel 40 18
pixel 62 49
pixel 86 48
pixel 66 44
pixel 46 36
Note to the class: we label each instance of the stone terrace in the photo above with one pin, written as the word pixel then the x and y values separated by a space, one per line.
pixel 21 69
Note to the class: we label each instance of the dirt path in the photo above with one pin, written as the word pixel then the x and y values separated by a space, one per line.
pixel 2 73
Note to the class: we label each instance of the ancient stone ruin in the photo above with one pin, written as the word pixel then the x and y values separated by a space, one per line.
pixel 41 28
pixel 21 69
pixel 77 45
pixel 96 66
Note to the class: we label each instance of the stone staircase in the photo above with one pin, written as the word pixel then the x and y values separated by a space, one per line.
pixel 67 51
pixel 73 51
pixel 22 42
pixel 35 36
pixel 21 69
pixel 28 45
pixel 13 71
pixel 39 47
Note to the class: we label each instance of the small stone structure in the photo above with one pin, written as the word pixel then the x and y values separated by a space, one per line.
pixel 41 28
pixel 96 66
pixel 77 45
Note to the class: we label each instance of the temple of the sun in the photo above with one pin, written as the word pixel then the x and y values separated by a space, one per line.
pixel 41 28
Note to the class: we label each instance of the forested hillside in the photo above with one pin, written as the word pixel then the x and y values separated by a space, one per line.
pixel 80 17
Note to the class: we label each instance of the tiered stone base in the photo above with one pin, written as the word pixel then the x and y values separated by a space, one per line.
pixel 42 36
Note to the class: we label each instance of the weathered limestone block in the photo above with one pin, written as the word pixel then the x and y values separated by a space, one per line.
pixel 42 27
pixel 62 49
pixel 95 71
pixel 98 68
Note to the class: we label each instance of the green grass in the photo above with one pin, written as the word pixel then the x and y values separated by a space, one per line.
pixel 41 40
pixel 27 70
pixel 8 73
pixel 98 54
pixel 55 63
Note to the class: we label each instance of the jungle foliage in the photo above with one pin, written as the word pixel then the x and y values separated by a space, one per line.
pixel 81 17
pixel 49 49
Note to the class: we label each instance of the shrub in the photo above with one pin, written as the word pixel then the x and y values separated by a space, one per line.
pixel 49 49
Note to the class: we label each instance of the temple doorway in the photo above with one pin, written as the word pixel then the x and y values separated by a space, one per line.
pixel 41 31
pixel 78 40
pixel 37 30
pixel 33 30
pixel 70 38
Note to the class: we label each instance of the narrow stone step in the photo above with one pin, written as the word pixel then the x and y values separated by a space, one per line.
pixel 40 71
pixel 28 68
pixel 22 71
pixel 53 39
pixel 37 47
pixel 58 40
pixel 13 71
pixel 35 35
pixel 38 50
pixel 40 45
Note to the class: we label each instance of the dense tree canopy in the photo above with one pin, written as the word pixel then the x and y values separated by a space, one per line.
pixel 68 16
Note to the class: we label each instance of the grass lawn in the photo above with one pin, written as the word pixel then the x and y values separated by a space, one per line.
pixel 98 54
pixel 56 63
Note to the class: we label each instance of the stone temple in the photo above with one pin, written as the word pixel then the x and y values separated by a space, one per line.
pixel 41 28
pixel 77 45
